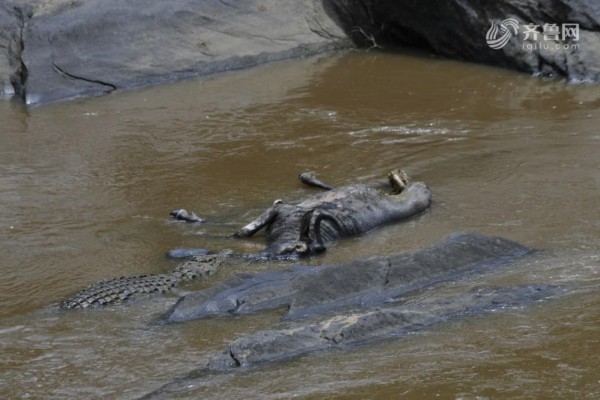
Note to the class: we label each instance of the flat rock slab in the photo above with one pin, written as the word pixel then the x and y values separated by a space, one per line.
pixel 308 291
pixel 344 306
pixel 358 328
pixel 76 49
pixel 353 329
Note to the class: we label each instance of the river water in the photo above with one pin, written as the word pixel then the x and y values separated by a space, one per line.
pixel 86 187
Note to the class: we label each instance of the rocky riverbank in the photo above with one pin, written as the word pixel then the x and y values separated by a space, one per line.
pixel 52 50
pixel 548 37
pixel 56 50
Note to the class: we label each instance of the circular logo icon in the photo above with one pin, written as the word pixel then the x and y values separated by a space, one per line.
pixel 500 33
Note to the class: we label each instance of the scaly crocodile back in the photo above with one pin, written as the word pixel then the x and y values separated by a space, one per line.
pixel 118 290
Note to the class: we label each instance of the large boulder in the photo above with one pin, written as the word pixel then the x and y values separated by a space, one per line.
pixel 461 29
pixel 353 329
pixel 85 48
pixel 359 327
pixel 361 302
pixel 53 50
pixel 307 291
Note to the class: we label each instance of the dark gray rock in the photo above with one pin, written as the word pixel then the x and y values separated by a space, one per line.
pixel 54 50
pixel 13 17
pixel 457 29
pixel 85 48
pixel 7 26
pixel 369 298
pixel 361 327
pixel 354 329
pixel 378 280
pixel 240 294
pixel 308 291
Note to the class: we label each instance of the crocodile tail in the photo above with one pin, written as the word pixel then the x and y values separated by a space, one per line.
pixel 120 289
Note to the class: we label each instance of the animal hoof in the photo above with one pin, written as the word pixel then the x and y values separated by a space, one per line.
pixel 399 180
pixel 310 179
pixel 184 215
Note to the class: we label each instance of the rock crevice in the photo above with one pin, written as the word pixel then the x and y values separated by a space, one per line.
pixel 13 71
pixel 15 53
pixel 61 71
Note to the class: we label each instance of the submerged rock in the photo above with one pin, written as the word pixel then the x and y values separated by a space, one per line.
pixel 308 291
pixel 357 328
pixel 341 307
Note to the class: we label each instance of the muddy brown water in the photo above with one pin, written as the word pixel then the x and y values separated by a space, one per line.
pixel 86 186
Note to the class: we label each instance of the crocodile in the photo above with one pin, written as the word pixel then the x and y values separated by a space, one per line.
pixel 124 288
pixel 292 231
